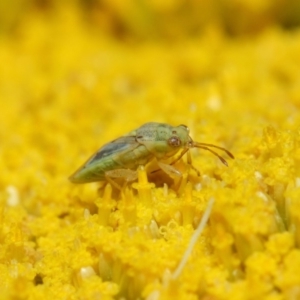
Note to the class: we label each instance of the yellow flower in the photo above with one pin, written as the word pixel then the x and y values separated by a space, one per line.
pixel 67 88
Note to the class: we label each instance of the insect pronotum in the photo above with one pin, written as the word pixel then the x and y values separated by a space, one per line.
pixel 121 157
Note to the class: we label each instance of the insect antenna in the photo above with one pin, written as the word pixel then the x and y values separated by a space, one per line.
pixel 206 146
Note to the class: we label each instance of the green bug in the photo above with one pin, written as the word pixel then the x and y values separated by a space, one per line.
pixel 121 157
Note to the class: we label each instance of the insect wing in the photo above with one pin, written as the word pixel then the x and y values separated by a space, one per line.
pixel 125 143
pixel 89 171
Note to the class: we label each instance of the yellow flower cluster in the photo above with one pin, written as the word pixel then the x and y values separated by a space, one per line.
pixel 66 90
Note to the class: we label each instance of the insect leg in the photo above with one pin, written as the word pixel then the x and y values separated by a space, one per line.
pixel 126 174
pixel 189 161
pixel 113 183
pixel 169 166
pixel 180 156
pixel 170 170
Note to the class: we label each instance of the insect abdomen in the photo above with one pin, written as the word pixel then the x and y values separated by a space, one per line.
pixel 95 168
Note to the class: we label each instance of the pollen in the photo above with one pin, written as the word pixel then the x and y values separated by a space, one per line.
pixel 143 186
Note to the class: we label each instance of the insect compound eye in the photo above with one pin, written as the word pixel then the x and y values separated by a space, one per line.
pixel 174 141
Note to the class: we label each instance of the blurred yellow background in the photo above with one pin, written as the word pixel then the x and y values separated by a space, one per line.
pixel 141 19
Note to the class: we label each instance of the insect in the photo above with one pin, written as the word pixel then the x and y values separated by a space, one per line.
pixel 121 157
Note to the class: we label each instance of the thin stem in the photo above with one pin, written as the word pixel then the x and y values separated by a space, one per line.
pixel 194 239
